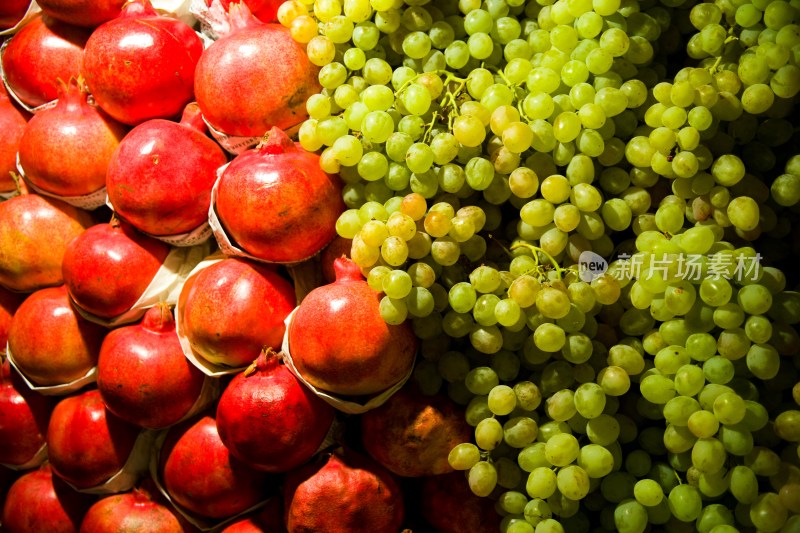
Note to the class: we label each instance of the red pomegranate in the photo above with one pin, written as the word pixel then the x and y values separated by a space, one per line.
pixel 9 302
pixel 263 10
pixel 267 71
pixel 140 65
pixel 142 509
pixel 233 309
pixel 39 501
pixel 161 176
pixel 24 415
pixel 109 266
pixel 87 13
pixel 51 343
pixel 338 247
pixel 291 424
pixel 340 343
pixel 11 12
pixel 12 124
pixel 65 150
pixel 449 506
pixel 133 363
pixel 411 434
pixel 86 443
pixel 276 203
pixel 342 492
pixel 268 520
pixel 34 233
pixel 199 473
pixel 43 51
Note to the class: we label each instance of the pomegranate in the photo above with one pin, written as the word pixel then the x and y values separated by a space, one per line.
pixel 34 233
pixel 65 150
pixel 141 65
pixel 291 424
pixel 51 343
pixel 108 267
pixel 276 203
pixel 161 176
pixel 11 12
pixel 39 501
pixel 255 78
pixel 340 343
pixel 43 51
pixel 268 520
pixel 87 13
pixel 86 443
pixel 449 506
pixel 199 473
pixel 342 492
pixel 24 415
pixel 9 302
pixel 263 10
pixel 12 124
pixel 411 434
pixel 133 362
pixel 338 247
pixel 143 509
pixel 233 308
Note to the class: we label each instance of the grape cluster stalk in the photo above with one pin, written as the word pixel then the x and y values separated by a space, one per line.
pixel 585 208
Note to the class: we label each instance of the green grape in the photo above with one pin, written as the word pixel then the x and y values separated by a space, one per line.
pixel 488 434
pixel 482 478
pixel 464 456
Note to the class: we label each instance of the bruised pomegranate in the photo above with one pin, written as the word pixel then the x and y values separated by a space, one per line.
pixel 43 51
pixel 291 424
pixel 161 175
pixel 142 509
pixel 255 78
pixel 340 343
pixel 342 492
pixel 12 124
pixel 24 415
pixel 234 308
pixel 39 501
pixel 11 12
pixel 51 343
pixel 87 13
pixel 133 363
pixel 9 302
pixel 268 520
pixel 109 266
pixel 34 233
pixel 199 473
pixel 65 150
pixel 87 444
pixel 338 247
pixel 449 506
pixel 276 203
pixel 140 65
pixel 411 434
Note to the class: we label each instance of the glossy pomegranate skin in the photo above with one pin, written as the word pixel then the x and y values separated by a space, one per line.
pixel 86 13
pixel 9 302
pixel 13 120
pixel 133 363
pixel 43 51
pixel 268 520
pixel 52 344
pixel 86 443
pixel 282 180
pixel 140 65
pixel 109 266
pixel 334 354
pixel 40 501
pixel 263 10
pixel 161 175
pixel 34 233
pixel 24 415
pixel 11 12
pixel 233 309
pixel 65 150
pixel 270 92
pixel 199 473
pixel 449 506
pixel 361 494
pixel 291 424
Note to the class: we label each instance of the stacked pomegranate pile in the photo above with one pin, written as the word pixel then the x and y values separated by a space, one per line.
pixel 184 345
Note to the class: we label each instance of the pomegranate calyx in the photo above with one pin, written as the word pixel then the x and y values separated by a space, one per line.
pixel 346 269
pixel 275 142
pixel 240 17
pixel 138 9
pixel 193 118
pixel 266 360
pixel 158 318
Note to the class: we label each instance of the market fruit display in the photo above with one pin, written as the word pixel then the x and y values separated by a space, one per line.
pixel 474 266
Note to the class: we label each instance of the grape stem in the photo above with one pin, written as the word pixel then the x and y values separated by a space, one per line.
pixel 535 249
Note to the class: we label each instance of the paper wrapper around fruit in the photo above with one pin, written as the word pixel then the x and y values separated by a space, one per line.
pixel 213 19
pixel 340 403
pixel 197 236
pixel 164 287
pixel 54 390
pixel 235 145
pixel 88 202
pixel 38 458
pixel 33 10
pixel 201 523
